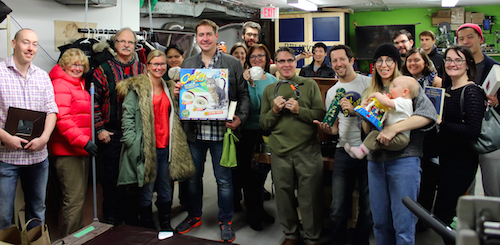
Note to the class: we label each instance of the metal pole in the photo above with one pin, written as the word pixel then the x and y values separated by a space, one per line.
pixel 94 185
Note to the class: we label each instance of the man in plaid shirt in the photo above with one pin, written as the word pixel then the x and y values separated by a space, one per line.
pixel 26 86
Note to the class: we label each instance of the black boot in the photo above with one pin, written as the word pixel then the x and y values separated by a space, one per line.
pixel 146 217
pixel 164 211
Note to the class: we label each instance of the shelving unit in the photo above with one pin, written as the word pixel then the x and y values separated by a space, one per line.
pixel 5 25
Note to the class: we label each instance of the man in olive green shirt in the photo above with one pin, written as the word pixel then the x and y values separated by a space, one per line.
pixel 289 112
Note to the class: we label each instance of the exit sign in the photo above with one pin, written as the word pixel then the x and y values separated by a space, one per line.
pixel 269 13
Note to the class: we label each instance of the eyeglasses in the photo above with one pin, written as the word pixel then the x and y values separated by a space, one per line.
pixel 77 66
pixel 402 42
pixel 123 42
pixel 456 61
pixel 155 65
pixel 257 56
pixel 388 62
pixel 251 34
pixel 282 62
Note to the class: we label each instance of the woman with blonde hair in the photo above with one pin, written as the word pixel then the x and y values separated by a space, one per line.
pixel 70 143
pixel 155 150
pixel 393 175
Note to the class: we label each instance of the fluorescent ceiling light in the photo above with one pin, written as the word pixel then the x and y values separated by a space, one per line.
pixel 303 4
pixel 449 3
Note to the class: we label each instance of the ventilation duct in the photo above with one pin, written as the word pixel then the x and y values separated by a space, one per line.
pixel 92 3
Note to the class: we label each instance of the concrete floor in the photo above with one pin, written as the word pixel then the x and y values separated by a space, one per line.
pixel 271 235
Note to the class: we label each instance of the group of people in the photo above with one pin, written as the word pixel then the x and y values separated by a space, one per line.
pixel 144 147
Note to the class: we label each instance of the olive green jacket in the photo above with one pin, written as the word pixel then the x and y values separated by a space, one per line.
pixel 138 154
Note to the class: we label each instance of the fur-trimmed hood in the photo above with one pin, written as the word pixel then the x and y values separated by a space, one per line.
pixel 181 163
pixel 139 142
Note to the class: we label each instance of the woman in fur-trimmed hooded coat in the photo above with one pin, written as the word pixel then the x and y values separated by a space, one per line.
pixel 142 153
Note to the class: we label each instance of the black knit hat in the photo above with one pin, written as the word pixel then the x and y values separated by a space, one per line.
pixel 388 49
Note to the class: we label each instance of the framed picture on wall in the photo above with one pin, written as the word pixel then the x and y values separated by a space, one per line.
pixel 66 32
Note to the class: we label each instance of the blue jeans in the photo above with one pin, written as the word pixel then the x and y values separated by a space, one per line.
pixel 389 182
pixel 345 174
pixel 222 175
pixel 163 183
pixel 34 183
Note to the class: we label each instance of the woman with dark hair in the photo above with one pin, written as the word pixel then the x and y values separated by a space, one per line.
pixel 393 175
pixel 244 176
pixel 175 57
pixel 419 66
pixel 461 124
pixel 239 50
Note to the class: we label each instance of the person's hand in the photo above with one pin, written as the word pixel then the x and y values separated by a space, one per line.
pixel 105 136
pixel 386 135
pixel 279 103
pixel 177 89
pixel 36 144
pixel 91 148
pixel 247 76
pixel 492 99
pixel 304 55
pixel 346 105
pixel 293 106
pixel 439 121
pixel 324 127
pixel 13 142
pixel 365 103
pixel 233 124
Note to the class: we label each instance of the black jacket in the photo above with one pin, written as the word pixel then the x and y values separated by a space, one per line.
pixel 488 63
pixel 324 71
pixel 438 60
pixel 238 90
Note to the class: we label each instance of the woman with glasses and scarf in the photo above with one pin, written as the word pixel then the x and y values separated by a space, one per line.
pixel 244 176
pixel 460 125
pixel 393 175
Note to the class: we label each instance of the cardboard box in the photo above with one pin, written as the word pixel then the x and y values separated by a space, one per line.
pixel 468 17
pixel 454 27
pixel 457 15
pixel 439 20
pixel 477 21
pixel 477 16
pixel 444 13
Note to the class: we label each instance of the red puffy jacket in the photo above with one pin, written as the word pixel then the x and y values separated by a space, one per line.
pixel 73 127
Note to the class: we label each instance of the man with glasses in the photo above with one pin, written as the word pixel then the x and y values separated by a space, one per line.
pixel 403 40
pixel 318 68
pixel 471 36
pixel 118 206
pixel 288 110
pixel 250 33
pixel 26 86
pixel 204 135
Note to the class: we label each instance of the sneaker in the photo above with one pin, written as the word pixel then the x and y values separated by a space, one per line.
pixel 226 231
pixel 186 225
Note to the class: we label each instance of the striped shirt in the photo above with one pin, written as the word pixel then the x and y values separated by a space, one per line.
pixel 35 92
pixel 211 130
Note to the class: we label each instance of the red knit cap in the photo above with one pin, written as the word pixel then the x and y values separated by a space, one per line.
pixel 473 26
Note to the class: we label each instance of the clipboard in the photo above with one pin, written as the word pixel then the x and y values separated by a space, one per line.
pixel 24 123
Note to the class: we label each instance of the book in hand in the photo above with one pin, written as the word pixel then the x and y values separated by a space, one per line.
pixel 492 82
pixel 24 123
pixel 204 94
pixel 436 96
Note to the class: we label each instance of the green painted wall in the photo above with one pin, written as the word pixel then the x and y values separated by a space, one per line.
pixel 421 17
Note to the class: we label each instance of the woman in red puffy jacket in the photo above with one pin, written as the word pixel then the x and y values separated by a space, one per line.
pixel 71 144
